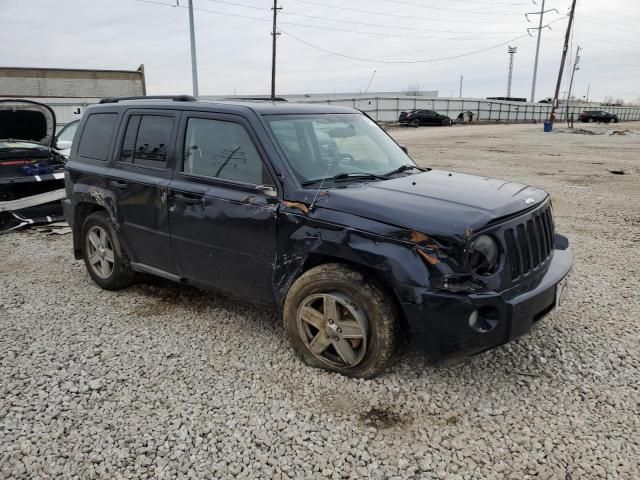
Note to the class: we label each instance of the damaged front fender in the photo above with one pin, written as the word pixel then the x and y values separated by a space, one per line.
pixel 308 238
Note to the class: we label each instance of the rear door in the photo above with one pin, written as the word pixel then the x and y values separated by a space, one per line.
pixel 140 181
pixel 223 221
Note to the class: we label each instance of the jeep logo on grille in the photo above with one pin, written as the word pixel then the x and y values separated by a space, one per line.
pixel 529 201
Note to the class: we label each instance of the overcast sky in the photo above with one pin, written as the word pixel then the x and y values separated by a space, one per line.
pixel 234 53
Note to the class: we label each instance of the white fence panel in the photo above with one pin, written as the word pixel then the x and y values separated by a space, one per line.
pixel 387 109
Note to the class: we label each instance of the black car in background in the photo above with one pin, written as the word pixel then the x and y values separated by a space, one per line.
pixel 317 212
pixel 416 118
pixel 592 116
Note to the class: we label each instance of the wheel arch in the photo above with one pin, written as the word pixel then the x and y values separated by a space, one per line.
pixel 81 211
pixel 377 277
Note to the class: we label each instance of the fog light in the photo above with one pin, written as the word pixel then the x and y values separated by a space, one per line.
pixel 484 320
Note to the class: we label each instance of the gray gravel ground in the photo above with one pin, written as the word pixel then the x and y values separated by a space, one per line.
pixel 165 381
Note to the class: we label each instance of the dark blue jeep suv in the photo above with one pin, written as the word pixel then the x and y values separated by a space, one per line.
pixel 316 211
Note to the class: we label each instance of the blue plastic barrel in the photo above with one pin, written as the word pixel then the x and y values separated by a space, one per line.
pixel 548 126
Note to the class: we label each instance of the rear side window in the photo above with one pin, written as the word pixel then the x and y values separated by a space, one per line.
pixel 95 142
pixel 146 140
pixel 220 149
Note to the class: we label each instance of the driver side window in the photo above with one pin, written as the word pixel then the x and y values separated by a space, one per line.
pixel 221 149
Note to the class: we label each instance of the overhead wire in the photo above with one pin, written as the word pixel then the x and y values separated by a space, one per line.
pixel 609 12
pixel 483 2
pixel 324 27
pixel 431 7
pixel 372 12
pixel 616 26
pixel 317 47
pixel 317 17
pixel 431 60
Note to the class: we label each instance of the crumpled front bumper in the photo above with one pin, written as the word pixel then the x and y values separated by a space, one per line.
pixel 440 322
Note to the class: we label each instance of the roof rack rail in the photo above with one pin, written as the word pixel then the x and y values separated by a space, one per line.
pixel 258 99
pixel 175 98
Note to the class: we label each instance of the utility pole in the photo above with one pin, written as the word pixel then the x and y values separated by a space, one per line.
pixel 588 91
pixel 274 34
pixel 512 51
pixel 554 105
pixel 194 64
pixel 573 73
pixel 535 64
pixel 461 78
pixel 539 29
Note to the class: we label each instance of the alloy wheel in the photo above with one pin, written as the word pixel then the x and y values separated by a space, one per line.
pixel 333 328
pixel 100 252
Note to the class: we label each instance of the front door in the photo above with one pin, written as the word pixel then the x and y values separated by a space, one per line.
pixel 429 117
pixel 140 181
pixel 221 213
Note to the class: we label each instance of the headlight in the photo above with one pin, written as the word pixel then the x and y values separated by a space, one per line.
pixel 483 255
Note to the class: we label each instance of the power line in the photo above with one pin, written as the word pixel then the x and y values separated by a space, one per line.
pixel 371 60
pixel 318 27
pixel 608 12
pixel 371 12
pixel 317 17
pixel 340 54
pixel 616 26
pixel 430 7
pixel 483 2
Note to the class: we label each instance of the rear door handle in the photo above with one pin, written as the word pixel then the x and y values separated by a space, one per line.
pixel 119 184
pixel 188 198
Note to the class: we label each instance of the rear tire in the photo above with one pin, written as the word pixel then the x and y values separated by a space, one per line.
pixel 103 254
pixel 338 320
pixel 591 120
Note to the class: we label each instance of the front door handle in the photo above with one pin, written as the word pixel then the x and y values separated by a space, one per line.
pixel 119 184
pixel 188 198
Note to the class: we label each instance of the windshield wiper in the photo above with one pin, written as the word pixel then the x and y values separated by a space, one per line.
pixel 404 168
pixel 346 176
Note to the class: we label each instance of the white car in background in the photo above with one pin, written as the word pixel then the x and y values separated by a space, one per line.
pixel 64 139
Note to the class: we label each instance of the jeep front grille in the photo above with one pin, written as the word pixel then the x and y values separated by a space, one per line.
pixel 529 244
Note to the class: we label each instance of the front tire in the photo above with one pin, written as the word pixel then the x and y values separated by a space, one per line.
pixel 415 123
pixel 103 254
pixel 591 120
pixel 337 320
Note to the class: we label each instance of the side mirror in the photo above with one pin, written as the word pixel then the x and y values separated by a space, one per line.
pixel 268 190
pixel 404 149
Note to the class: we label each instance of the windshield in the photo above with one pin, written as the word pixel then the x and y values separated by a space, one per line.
pixel 67 133
pixel 329 145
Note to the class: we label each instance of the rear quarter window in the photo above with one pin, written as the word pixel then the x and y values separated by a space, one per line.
pixel 97 135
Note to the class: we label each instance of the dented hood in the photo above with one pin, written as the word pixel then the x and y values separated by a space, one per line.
pixel 436 202
pixel 27 121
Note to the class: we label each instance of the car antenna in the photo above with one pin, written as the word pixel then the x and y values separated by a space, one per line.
pixel 320 187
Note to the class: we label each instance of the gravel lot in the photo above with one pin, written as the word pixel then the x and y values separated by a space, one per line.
pixel 165 381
